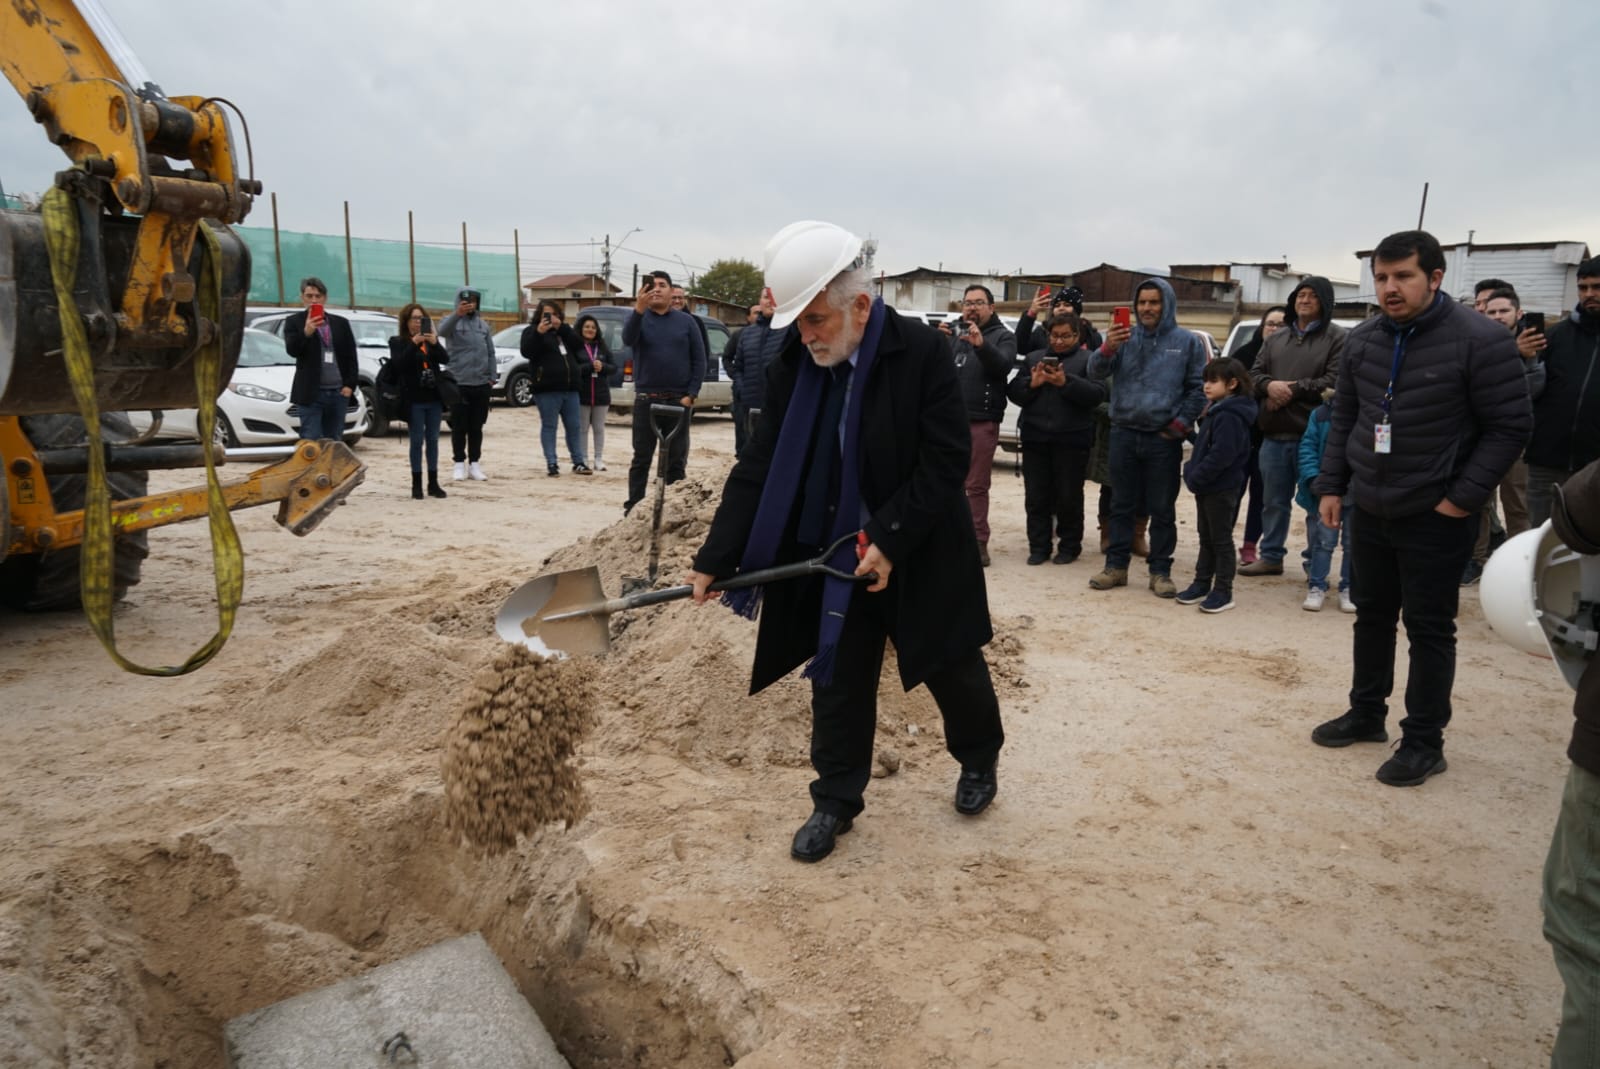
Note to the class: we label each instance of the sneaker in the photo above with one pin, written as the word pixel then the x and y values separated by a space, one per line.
pixel 1109 577
pixel 1411 764
pixel 1263 567
pixel 581 469
pixel 1163 586
pixel 1314 600
pixel 1343 730
pixel 553 470
pixel 1217 601
pixel 1193 593
pixel 475 472
pixel 599 465
pixel 1470 577
pixel 1346 602
pixel 1038 557
pixel 459 472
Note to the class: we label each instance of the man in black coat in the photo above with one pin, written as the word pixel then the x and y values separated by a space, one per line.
pixel 325 370
pixel 1430 411
pixel 863 430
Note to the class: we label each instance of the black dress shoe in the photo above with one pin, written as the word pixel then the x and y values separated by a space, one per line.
pixel 975 790
pixel 814 840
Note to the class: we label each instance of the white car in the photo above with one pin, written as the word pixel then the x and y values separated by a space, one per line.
pixel 254 408
pixel 1244 332
pixel 373 331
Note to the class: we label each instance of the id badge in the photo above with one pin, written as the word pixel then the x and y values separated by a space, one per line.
pixel 1382 438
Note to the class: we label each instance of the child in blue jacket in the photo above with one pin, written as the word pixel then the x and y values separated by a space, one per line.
pixel 1323 540
pixel 1216 475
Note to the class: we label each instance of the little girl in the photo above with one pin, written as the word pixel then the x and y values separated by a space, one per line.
pixel 1216 474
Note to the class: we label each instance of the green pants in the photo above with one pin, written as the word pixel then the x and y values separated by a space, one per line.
pixel 1572 919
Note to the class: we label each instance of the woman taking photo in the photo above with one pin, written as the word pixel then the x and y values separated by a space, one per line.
pixel 418 357
pixel 555 360
pixel 594 388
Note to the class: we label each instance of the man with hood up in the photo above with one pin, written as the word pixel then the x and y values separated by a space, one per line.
pixel 471 343
pixel 1156 369
pixel 1292 370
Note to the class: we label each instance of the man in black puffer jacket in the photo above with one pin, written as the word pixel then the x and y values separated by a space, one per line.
pixel 985 353
pixel 1429 413
pixel 1566 417
pixel 759 344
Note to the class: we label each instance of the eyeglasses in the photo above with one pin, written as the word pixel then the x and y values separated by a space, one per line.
pixel 974 304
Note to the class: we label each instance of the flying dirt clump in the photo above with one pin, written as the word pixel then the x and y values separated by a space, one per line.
pixel 507 764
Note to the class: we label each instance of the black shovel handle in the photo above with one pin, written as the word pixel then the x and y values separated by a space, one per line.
pixel 817 565
pixel 657 410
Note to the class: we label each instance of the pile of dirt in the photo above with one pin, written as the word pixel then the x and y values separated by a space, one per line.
pixel 507 763
pixel 679 673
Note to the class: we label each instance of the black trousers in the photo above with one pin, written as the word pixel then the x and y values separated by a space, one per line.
pixel 1409 568
pixel 741 426
pixel 644 447
pixel 1052 495
pixel 844 714
pixel 1218 560
pixel 466 424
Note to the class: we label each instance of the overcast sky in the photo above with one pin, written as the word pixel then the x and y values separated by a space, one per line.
pixel 996 136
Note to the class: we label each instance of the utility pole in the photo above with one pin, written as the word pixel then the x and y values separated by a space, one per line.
pixel 605 265
pixel 1424 209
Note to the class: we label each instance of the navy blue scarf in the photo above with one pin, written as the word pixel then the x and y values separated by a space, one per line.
pixel 784 479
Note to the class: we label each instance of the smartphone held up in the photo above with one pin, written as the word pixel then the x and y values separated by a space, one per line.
pixel 1122 316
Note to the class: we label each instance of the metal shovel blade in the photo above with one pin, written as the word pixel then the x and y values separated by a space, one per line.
pixel 521 619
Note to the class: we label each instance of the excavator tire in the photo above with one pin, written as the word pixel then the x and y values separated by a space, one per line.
pixel 48 582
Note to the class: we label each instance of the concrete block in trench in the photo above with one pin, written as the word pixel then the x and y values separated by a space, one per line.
pixel 454 1001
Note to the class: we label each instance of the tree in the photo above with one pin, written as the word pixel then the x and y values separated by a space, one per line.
pixel 734 281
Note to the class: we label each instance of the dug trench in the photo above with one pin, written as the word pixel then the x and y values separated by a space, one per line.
pixel 138 949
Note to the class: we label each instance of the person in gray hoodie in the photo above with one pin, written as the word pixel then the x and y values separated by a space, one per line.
pixel 1156 369
pixel 470 340
pixel 1294 367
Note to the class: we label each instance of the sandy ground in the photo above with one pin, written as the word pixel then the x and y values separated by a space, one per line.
pixel 1172 874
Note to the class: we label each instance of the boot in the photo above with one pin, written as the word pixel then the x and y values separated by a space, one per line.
pixel 416 485
pixel 1141 547
pixel 434 489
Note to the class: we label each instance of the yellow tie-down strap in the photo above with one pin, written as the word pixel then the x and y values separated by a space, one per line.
pixel 97 559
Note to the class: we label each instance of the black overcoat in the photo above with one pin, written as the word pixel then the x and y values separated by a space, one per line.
pixel 915 452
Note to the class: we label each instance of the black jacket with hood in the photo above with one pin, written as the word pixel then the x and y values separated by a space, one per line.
pixel 1459 418
pixel 1566 416
pixel 1309 362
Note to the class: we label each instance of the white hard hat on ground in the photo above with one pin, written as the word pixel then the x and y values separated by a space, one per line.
pixel 801 259
pixel 1534 593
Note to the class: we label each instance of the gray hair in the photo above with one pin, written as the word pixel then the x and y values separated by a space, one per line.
pixel 849 284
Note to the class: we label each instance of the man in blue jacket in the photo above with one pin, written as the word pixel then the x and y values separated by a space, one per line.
pixel 1430 411
pixel 1156 369
pixel 669 363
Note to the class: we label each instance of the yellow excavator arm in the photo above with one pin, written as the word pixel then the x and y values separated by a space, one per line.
pixel 125 292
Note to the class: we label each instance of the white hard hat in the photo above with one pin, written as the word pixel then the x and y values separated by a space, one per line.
pixel 1533 592
pixel 801 259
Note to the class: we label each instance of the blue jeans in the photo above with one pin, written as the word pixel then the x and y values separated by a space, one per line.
pixel 325 418
pixel 1280 472
pixel 1145 474
pixel 1324 540
pixel 424 425
pixel 561 405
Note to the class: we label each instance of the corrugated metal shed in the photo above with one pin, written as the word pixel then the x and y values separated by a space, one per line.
pixel 1545 274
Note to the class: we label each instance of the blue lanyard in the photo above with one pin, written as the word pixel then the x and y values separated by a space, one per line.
pixel 1400 339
